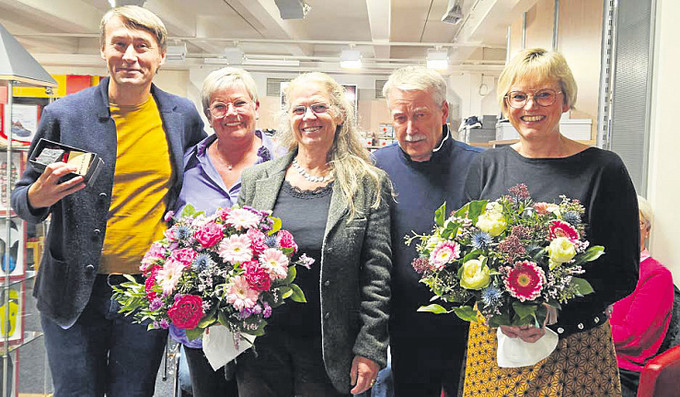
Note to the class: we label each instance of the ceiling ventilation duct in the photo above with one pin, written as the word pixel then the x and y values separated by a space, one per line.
pixel 292 9
pixel 454 12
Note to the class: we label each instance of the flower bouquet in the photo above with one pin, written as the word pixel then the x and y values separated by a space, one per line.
pixel 508 260
pixel 231 268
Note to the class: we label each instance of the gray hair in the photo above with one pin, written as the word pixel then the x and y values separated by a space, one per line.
pixel 224 78
pixel 645 211
pixel 350 159
pixel 135 17
pixel 417 78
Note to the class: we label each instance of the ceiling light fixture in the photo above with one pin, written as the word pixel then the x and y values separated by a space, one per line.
pixel 454 12
pixel 350 59
pixel 292 9
pixel 437 59
pixel 234 55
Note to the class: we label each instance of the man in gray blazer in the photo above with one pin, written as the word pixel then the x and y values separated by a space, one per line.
pixel 427 167
pixel 99 232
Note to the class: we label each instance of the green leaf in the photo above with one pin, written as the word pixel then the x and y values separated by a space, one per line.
pixel 583 286
pixel 524 311
pixel 298 295
pixel 223 318
pixel 188 211
pixel 466 313
pixel 477 208
pixel 471 255
pixel 193 334
pixel 440 215
pixel 590 255
pixel 499 319
pixel 208 318
pixel 462 211
pixel 277 225
pixel 539 254
pixel 292 273
pixel 285 291
pixel 433 308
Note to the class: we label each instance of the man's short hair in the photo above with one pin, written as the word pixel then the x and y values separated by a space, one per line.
pixel 135 17
pixel 417 78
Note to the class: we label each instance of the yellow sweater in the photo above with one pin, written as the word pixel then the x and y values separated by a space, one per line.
pixel 140 187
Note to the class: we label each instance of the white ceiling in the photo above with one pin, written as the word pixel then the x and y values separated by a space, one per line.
pixel 389 33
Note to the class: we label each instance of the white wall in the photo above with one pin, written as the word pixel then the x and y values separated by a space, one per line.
pixel 664 179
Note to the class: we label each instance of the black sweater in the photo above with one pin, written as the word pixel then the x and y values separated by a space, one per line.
pixel 597 178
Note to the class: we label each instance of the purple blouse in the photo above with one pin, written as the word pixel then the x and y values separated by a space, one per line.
pixel 203 187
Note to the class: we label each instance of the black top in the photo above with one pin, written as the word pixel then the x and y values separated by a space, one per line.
pixel 303 213
pixel 597 178
pixel 421 188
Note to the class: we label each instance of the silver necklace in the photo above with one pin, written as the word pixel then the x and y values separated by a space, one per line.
pixel 310 178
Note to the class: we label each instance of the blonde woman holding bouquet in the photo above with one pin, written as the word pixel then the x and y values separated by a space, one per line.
pixel 336 204
pixel 534 89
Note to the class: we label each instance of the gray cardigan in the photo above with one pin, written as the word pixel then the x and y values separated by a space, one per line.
pixel 355 268
pixel 74 243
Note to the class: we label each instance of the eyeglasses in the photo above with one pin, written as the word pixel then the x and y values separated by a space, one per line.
pixel 219 109
pixel 316 108
pixel 545 97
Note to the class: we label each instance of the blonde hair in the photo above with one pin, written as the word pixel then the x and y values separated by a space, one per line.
pixel 223 78
pixel 348 156
pixel 538 64
pixel 645 211
pixel 417 78
pixel 135 17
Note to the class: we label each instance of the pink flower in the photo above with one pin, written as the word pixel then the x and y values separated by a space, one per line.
pixel 170 234
pixel 184 255
pixel 444 253
pixel 236 249
pixel 541 208
pixel 258 241
pixel 240 295
pixel 209 234
pixel 169 275
pixel 223 212
pixel 240 218
pixel 150 283
pixel 286 240
pixel 186 312
pixel 562 229
pixel 257 276
pixel 155 255
pixel 275 262
pixel 525 280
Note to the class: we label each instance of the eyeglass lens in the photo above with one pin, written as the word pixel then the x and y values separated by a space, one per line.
pixel 517 99
pixel 317 108
pixel 219 109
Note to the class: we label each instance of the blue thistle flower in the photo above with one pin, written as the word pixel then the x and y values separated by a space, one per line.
pixel 481 240
pixel 183 232
pixel 201 262
pixel 491 296
pixel 271 242
pixel 572 218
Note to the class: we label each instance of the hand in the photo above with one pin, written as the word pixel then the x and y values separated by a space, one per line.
pixel 527 333
pixel 363 374
pixel 47 190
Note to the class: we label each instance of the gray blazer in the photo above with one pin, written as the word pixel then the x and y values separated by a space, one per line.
pixel 355 268
pixel 74 243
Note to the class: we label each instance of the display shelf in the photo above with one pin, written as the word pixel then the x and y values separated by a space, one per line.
pixel 29 336
pixel 29 275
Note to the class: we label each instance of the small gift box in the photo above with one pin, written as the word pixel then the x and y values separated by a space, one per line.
pixel 47 152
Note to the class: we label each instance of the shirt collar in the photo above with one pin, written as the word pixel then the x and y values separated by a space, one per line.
pixel 644 254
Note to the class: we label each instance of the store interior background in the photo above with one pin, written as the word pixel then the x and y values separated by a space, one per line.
pixel 63 36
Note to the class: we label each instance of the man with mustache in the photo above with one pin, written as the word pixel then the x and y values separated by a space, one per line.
pixel 428 167
pixel 100 233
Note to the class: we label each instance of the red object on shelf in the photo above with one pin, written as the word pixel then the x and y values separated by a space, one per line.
pixel 75 83
pixel 661 376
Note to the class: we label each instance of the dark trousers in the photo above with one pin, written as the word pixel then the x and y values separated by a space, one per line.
pixel 103 352
pixel 206 382
pixel 423 366
pixel 284 365
pixel 629 382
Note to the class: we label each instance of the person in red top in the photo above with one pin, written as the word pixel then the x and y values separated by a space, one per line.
pixel 640 320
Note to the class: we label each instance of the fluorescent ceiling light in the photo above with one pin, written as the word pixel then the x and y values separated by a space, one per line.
pixel 454 12
pixel 350 59
pixel 437 59
pixel 271 62
pixel 176 52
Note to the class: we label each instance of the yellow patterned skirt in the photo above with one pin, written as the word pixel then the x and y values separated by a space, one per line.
pixel 583 364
